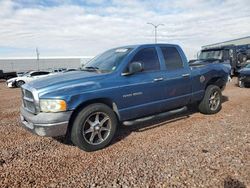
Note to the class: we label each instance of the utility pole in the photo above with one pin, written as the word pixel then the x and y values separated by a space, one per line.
pixel 37 58
pixel 155 26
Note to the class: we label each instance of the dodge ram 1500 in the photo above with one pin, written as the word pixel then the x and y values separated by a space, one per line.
pixel 122 84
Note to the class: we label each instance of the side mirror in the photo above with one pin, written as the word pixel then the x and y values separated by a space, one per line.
pixel 133 68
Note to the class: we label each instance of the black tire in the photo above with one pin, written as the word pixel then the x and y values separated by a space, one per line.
pixel 210 105
pixel 80 135
pixel 242 58
pixel 241 83
pixel 20 83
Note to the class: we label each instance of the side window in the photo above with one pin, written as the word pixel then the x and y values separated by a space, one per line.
pixel 35 74
pixel 226 55
pixel 44 73
pixel 149 59
pixel 172 58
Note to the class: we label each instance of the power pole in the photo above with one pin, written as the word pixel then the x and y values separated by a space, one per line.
pixel 37 58
pixel 155 26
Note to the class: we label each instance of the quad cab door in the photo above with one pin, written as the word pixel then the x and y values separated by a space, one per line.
pixel 177 89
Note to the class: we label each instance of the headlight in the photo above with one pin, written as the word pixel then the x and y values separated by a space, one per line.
pixel 52 105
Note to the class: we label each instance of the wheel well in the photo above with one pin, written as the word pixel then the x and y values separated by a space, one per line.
pixel 216 81
pixel 105 101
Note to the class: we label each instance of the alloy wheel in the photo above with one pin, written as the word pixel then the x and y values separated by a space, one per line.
pixel 96 128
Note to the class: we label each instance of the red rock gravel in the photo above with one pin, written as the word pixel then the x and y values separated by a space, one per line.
pixel 187 150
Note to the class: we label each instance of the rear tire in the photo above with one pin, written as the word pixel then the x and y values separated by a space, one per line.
pixel 211 102
pixel 20 83
pixel 241 83
pixel 94 127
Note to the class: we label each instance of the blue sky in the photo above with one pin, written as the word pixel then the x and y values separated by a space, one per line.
pixel 86 28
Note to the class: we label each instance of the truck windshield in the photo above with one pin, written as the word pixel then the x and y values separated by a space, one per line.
pixel 107 61
pixel 213 54
pixel 247 66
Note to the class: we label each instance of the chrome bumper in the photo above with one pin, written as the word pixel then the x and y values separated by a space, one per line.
pixel 46 124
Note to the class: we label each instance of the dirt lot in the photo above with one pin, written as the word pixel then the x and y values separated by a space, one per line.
pixel 187 150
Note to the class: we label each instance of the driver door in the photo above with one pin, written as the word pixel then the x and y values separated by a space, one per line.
pixel 142 90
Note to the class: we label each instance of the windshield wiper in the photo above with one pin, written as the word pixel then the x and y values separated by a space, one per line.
pixel 91 68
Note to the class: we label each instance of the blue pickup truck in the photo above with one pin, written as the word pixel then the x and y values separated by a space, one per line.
pixel 122 84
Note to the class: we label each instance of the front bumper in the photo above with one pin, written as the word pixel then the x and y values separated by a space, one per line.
pixel 46 124
pixel 10 84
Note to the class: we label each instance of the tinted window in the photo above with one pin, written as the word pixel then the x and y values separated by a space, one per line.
pixel 39 73
pixel 35 74
pixel 149 59
pixel 226 55
pixel 172 58
pixel 43 73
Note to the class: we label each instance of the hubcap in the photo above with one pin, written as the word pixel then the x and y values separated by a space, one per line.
pixel 96 128
pixel 214 100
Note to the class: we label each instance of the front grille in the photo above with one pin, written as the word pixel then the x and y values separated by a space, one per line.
pixel 28 101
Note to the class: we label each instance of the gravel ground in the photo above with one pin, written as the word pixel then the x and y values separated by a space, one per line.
pixel 187 150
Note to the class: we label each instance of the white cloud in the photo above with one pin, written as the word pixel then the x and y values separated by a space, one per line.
pixel 79 29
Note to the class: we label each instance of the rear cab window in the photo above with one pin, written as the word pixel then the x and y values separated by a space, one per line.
pixel 149 59
pixel 172 58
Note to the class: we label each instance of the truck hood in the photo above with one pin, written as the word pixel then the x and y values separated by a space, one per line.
pixel 209 61
pixel 65 80
pixel 205 61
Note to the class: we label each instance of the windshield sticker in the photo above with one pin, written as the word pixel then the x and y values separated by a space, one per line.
pixel 121 50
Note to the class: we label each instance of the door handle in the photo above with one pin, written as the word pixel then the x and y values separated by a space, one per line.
pixel 158 79
pixel 185 75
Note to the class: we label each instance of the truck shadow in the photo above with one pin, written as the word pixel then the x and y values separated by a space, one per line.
pixel 153 122
pixel 158 120
pixel 148 123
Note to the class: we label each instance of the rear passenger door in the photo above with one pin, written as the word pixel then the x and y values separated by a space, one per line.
pixel 177 88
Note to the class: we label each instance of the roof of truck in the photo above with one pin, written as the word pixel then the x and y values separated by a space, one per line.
pixel 145 45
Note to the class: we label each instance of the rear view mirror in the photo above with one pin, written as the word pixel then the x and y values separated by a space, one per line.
pixel 133 68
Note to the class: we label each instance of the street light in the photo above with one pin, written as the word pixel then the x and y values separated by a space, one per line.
pixel 37 58
pixel 155 26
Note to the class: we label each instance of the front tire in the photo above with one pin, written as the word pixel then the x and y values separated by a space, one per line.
pixel 211 102
pixel 20 83
pixel 241 83
pixel 94 127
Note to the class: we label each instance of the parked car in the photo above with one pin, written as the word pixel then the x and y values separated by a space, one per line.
pixel 12 82
pixel 244 76
pixel 7 75
pixel 30 76
pixel 57 70
pixel 70 70
pixel 122 84
pixel 234 55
